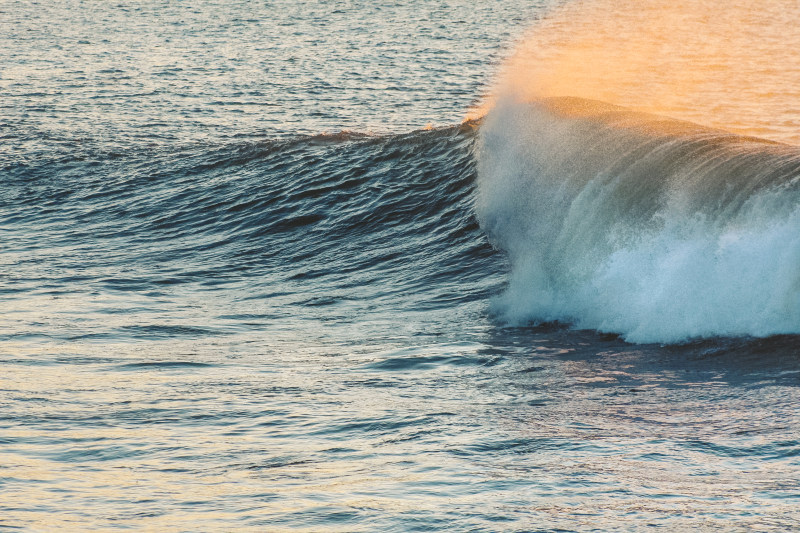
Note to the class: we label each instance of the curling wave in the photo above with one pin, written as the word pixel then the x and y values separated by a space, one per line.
pixel 653 228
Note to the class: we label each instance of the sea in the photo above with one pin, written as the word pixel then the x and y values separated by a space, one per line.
pixel 339 265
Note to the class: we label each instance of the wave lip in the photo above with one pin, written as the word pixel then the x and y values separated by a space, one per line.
pixel 657 229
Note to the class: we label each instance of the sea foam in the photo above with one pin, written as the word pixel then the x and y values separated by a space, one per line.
pixel 653 228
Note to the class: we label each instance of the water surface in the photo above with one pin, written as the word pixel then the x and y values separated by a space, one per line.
pixel 244 286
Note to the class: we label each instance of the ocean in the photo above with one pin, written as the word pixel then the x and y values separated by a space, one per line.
pixel 421 266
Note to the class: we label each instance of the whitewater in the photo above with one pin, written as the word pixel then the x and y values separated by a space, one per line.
pixel 656 229
pixel 520 266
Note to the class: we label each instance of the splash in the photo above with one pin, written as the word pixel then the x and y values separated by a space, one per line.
pixel 730 65
pixel 657 229
pixel 617 218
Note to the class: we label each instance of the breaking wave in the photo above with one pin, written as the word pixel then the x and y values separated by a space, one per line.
pixel 657 229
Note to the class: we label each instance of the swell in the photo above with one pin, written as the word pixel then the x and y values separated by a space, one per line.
pixel 309 222
pixel 636 224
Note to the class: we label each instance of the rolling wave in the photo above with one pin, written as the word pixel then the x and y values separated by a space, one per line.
pixel 653 228
pixel 295 226
pixel 612 220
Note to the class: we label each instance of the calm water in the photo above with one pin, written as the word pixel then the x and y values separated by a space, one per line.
pixel 247 283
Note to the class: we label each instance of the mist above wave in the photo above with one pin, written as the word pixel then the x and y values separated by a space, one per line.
pixel 731 65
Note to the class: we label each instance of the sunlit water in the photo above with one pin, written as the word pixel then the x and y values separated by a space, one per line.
pixel 244 287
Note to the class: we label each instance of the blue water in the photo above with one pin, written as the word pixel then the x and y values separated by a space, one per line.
pixel 256 273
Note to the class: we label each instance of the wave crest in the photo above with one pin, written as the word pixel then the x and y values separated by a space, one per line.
pixel 657 229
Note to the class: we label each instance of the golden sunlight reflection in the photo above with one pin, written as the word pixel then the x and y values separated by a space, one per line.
pixel 730 65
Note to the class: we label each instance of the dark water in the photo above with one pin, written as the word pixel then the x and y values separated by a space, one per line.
pixel 243 288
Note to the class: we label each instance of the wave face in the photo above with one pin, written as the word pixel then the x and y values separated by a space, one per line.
pixel 331 227
pixel 631 223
